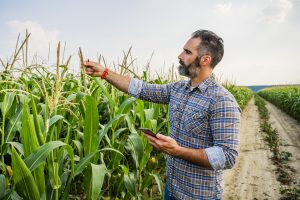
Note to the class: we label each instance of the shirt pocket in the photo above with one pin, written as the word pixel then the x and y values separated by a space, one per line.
pixel 196 123
pixel 175 114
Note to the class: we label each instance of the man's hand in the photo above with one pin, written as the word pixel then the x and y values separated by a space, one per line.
pixel 169 146
pixel 93 68
pixel 164 143
pixel 117 80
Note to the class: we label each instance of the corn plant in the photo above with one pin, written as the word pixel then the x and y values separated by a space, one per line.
pixel 286 98
pixel 241 94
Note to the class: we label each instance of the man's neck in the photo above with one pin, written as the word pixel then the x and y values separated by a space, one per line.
pixel 200 78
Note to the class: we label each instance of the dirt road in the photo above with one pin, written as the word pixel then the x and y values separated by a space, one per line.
pixel 289 132
pixel 253 176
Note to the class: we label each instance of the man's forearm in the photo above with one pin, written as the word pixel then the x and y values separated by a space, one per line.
pixel 119 81
pixel 195 156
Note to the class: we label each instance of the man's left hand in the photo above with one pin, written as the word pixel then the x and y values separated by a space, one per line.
pixel 164 143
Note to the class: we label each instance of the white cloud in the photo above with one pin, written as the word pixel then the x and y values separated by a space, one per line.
pixel 39 39
pixel 277 11
pixel 223 8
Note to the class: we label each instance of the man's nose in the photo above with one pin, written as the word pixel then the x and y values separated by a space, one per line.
pixel 180 56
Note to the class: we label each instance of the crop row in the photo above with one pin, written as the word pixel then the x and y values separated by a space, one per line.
pixel 285 98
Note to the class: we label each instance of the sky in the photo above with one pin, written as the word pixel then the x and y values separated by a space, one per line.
pixel 261 37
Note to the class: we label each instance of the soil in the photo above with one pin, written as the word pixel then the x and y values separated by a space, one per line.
pixel 254 174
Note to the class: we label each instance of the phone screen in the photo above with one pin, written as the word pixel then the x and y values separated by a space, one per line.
pixel 148 132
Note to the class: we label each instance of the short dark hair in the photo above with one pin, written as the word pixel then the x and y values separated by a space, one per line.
pixel 210 44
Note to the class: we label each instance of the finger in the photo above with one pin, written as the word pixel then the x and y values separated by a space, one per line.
pixel 150 138
pixel 152 143
pixel 162 137
pixel 89 70
pixel 88 63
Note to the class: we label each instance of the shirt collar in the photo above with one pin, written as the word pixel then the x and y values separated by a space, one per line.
pixel 211 80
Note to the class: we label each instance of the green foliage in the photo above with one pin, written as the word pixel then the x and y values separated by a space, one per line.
pixel 271 135
pixel 285 98
pixel 272 138
pixel 73 138
pixel 290 193
pixel 262 109
pixel 241 94
pixel 285 155
pixel 23 179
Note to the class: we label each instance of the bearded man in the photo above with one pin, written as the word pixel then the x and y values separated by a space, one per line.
pixel 204 119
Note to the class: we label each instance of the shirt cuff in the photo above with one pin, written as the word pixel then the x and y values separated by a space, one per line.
pixel 135 87
pixel 216 157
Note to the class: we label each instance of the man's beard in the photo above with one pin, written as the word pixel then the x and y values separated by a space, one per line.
pixel 191 70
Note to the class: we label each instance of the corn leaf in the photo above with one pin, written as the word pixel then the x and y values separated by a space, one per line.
pixel 37 126
pixel 7 103
pixel 110 124
pixel 135 145
pixel 130 183
pixel 107 95
pixel 158 182
pixel 126 105
pixel 2 186
pixel 23 179
pixel 91 121
pixel 54 119
pixel 81 165
pixel 30 144
pixel 39 155
pixel 17 145
pixel 94 177
pixel 29 139
pixel 14 124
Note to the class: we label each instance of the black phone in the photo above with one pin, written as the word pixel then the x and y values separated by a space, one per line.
pixel 148 132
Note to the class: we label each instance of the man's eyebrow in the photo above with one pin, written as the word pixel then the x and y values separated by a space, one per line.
pixel 188 51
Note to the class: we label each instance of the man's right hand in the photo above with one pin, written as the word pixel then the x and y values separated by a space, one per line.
pixel 117 80
pixel 93 68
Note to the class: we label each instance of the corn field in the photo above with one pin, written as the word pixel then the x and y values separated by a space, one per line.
pixel 285 98
pixel 66 136
pixel 241 94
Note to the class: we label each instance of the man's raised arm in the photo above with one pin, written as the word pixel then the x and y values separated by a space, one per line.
pixel 117 80
pixel 157 93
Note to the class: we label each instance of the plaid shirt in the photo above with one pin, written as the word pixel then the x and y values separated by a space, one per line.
pixel 205 117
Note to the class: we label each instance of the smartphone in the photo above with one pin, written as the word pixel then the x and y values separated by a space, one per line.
pixel 148 132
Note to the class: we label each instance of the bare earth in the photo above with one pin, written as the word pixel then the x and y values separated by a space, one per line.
pixel 289 131
pixel 253 176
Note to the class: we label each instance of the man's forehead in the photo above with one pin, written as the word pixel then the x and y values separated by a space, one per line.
pixel 192 43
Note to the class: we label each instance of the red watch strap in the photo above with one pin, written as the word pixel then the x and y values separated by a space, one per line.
pixel 105 72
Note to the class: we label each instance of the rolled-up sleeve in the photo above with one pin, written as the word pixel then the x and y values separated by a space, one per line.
pixel 135 87
pixel 157 93
pixel 225 129
pixel 216 157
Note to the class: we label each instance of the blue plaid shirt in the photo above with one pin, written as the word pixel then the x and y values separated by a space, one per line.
pixel 205 117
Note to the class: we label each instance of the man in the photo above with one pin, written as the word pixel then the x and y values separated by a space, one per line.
pixel 204 119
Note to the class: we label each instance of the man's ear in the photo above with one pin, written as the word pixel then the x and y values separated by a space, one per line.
pixel 205 60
